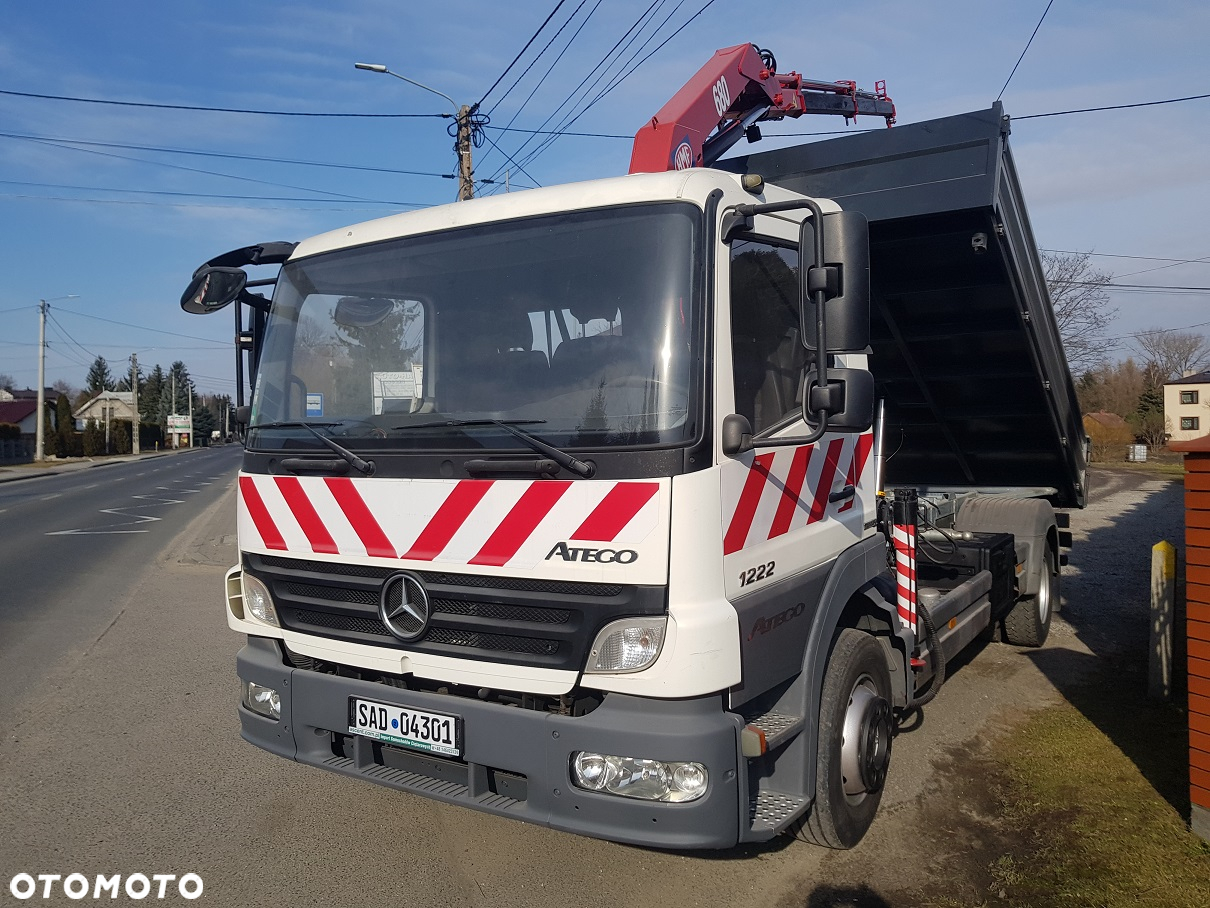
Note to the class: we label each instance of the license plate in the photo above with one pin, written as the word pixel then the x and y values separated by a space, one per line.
pixel 414 728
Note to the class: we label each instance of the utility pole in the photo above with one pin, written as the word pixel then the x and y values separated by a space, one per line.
pixel 189 391
pixel 466 178
pixel 463 135
pixel 135 421
pixel 40 437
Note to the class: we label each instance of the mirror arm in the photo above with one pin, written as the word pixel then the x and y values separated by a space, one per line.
pixel 254 300
pixel 820 366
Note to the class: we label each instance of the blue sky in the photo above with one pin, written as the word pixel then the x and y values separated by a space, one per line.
pixel 1119 183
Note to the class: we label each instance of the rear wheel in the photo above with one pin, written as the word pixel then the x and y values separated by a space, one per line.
pixel 1028 624
pixel 854 749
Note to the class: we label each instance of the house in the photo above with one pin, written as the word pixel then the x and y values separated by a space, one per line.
pixel 105 407
pixel 1109 435
pixel 1187 406
pixel 24 413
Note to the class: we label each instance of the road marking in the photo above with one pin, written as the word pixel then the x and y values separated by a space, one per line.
pixel 115 529
pixel 49 497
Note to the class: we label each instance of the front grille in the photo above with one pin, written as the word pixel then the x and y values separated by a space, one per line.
pixel 520 584
pixel 501 619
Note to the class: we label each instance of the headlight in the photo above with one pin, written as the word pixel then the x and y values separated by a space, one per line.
pixel 633 777
pixel 629 645
pixel 258 601
pixel 264 701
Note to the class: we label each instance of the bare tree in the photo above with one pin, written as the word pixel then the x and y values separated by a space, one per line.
pixel 1081 303
pixel 1172 354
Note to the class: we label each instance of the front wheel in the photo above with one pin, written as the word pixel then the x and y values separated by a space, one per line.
pixel 854 749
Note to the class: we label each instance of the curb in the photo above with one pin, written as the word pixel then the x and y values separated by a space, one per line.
pixel 19 473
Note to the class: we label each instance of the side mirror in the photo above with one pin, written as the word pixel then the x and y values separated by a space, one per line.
pixel 243 415
pixel 737 435
pixel 213 288
pixel 843 275
pixel 847 398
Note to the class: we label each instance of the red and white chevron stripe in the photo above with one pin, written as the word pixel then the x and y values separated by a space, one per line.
pixel 904 538
pixel 788 488
pixel 480 522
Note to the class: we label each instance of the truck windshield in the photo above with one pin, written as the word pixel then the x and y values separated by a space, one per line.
pixel 583 328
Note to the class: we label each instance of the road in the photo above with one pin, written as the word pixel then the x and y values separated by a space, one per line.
pixel 120 749
pixel 75 541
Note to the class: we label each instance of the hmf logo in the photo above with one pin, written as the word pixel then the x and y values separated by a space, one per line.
pixel 593 556
pixel 764 625
pixel 682 158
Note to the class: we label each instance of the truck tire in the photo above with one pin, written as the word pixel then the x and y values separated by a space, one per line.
pixel 1028 624
pixel 854 749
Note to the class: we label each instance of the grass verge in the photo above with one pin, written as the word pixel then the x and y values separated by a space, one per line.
pixel 1101 784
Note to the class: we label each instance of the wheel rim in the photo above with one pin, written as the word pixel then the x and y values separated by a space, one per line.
pixel 1045 591
pixel 865 747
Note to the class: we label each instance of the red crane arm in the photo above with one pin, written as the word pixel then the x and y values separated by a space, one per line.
pixel 735 89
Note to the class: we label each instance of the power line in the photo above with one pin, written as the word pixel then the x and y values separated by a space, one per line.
pixel 141 327
pixel 86 201
pixel 238 110
pixel 229 155
pixel 549 69
pixel 1027 43
pixel 1063 113
pixel 545 145
pixel 605 61
pixel 518 57
pixel 211 173
pixel 1111 255
pixel 196 195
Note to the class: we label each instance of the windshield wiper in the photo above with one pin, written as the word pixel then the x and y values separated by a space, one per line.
pixel 562 458
pixel 442 423
pixel 365 467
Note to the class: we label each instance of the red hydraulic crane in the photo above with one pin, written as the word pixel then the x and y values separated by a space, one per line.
pixel 726 98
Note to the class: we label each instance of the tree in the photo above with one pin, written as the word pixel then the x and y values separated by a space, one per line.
pixel 99 378
pixel 94 438
pixel 1148 420
pixel 6 381
pixel 149 397
pixel 65 427
pixel 64 387
pixel 1112 388
pixel 1081 304
pixel 1173 354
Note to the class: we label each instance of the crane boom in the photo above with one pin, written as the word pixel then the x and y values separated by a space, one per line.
pixel 727 97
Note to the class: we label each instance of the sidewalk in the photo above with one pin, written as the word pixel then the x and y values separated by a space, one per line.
pixel 56 467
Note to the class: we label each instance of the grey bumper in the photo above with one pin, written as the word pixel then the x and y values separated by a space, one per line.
pixel 516 761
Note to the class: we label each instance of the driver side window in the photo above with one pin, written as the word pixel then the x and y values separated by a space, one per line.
pixel 767 353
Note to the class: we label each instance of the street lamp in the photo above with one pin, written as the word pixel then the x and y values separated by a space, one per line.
pixel 40 437
pixel 463 115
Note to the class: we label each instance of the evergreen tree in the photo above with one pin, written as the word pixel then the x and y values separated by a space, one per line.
pixel 149 396
pixel 65 427
pixel 99 378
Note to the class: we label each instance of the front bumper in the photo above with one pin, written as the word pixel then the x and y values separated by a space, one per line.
pixel 516 762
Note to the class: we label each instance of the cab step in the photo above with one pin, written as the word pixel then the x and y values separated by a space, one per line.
pixel 768 732
pixel 771 812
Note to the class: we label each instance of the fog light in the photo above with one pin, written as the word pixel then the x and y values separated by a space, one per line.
pixel 264 701
pixel 258 601
pixel 629 645
pixel 633 777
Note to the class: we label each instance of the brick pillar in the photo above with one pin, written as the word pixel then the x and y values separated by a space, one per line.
pixel 1197 596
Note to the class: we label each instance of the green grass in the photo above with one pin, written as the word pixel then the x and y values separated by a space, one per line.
pixel 1099 785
